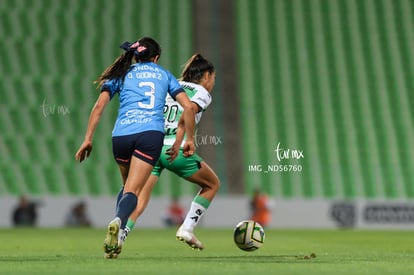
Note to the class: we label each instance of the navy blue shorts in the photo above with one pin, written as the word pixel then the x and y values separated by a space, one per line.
pixel 146 146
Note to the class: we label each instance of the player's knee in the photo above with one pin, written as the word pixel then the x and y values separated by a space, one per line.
pixel 215 184
pixel 211 183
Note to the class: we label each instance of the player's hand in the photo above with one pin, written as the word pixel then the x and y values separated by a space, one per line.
pixel 189 148
pixel 84 151
pixel 173 152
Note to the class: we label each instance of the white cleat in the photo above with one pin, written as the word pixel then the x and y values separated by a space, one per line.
pixel 189 238
pixel 121 239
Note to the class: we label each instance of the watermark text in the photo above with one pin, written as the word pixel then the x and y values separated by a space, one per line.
pixel 53 109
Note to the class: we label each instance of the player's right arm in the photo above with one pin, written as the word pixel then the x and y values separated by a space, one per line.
pixel 86 148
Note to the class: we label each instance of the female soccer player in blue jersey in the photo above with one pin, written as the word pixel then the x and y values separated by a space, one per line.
pixel 198 80
pixel 138 133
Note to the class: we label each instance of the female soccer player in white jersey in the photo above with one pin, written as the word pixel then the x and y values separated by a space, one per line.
pixel 138 133
pixel 198 79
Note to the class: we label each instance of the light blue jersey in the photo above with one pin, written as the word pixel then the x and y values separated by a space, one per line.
pixel 142 98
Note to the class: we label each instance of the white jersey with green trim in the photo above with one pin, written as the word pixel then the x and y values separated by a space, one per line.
pixel 173 110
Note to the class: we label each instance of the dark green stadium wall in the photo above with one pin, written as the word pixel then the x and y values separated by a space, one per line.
pixel 333 79
pixel 51 52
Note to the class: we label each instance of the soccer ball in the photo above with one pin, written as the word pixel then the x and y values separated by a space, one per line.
pixel 248 235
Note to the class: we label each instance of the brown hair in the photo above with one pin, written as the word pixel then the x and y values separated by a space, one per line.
pixel 195 68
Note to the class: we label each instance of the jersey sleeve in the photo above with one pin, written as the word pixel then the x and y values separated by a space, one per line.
pixel 202 98
pixel 112 86
pixel 174 87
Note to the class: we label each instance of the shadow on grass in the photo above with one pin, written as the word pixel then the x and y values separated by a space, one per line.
pixel 20 259
pixel 248 259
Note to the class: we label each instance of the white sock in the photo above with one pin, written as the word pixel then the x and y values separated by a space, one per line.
pixel 193 216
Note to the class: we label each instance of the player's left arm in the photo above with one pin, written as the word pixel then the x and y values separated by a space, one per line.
pixel 188 117
pixel 174 150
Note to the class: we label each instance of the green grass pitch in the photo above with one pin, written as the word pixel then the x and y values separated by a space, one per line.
pixel 79 251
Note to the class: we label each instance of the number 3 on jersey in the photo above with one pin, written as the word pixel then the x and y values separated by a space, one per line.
pixel 150 94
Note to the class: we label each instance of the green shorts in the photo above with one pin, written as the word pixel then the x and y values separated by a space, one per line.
pixel 182 166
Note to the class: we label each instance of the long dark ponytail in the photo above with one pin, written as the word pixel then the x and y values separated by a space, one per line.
pixel 143 50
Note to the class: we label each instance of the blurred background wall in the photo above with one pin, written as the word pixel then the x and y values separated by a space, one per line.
pixel 313 99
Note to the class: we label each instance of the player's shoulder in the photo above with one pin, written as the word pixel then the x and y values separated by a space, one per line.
pixel 150 67
pixel 193 88
pixel 160 69
pixel 190 85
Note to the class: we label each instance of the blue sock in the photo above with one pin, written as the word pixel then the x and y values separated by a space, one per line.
pixel 126 205
pixel 120 194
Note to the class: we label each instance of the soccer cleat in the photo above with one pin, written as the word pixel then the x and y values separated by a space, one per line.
pixel 189 238
pixel 111 240
pixel 110 255
pixel 121 240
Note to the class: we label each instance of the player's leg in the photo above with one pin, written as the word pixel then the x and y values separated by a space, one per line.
pixel 111 247
pixel 122 148
pixel 145 194
pixel 145 152
pixel 138 173
pixel 210 184
pixel 207 179
pixel 124 169
pixel 143 200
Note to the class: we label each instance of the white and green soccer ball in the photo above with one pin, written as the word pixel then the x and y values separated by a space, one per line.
pixel 249 235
